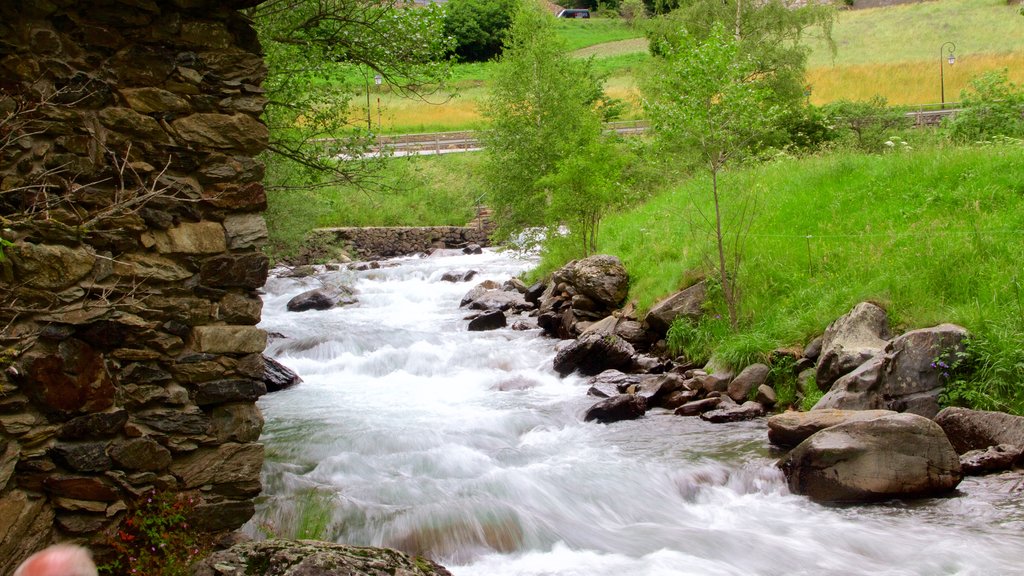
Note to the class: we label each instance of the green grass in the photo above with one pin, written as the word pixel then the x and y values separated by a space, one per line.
pixel 412 191
pixel 935 235
pixel 581 33
pixel 916 31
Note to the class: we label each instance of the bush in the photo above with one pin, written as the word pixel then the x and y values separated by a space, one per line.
pixel 478 27
pixel 868 123
pixel 993 107
pixel 632 10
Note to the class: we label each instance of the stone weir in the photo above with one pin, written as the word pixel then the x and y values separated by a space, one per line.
pixel 374 243
pixel 130 206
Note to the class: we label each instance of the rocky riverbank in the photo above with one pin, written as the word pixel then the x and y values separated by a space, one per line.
pixel 877 432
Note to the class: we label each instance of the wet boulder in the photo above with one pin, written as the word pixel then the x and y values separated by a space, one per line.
pixel 791 428
pixel 657 389
pixel 896 456
pixel 454 276
pixel 613 382
pixel 279 557
pixel 616 408
pixel 850 341
pixel 489 320
pixel 500 300
pixel 478 291
pixel 322 299
pixel 473 249
pixel 978 429
pixel 593 354
pixel 277 376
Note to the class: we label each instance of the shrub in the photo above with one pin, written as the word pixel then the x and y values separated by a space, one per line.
pixel 478 27
pixel 993 107
pixel 870 123
pixel 155 539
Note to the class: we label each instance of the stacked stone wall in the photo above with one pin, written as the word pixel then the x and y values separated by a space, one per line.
pixel 373 243
pixel 130 230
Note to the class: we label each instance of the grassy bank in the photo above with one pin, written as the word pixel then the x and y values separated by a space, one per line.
pixel 412 191
pixel 934 235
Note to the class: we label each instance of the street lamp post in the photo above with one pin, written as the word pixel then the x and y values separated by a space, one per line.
pixel 951 58
pixel 377 80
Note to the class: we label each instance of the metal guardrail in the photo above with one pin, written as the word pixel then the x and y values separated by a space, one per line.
pixel 468 140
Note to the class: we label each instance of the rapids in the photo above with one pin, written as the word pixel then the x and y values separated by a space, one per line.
pixel 411 432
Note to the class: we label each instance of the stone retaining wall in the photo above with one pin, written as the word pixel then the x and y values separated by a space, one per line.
pixel 131 228
pixel 381 242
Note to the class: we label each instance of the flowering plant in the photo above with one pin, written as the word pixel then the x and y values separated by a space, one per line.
pixel 156 539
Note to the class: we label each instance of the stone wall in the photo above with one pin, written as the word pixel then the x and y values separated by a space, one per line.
pixel 384 242
pixel 131 228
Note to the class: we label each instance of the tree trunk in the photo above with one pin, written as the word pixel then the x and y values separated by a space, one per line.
pixel 723 276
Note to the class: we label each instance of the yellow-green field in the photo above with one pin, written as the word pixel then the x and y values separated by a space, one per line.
pixel 890 52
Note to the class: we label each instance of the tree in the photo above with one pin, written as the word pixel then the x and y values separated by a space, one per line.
pixel 478 27
pixel 709 95
pixel 994 106
pixel 318 54
pixel 544 107
pixel 769 33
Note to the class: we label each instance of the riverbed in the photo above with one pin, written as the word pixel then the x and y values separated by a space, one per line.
pixel 410 432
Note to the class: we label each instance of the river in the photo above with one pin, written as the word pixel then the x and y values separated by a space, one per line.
pixel 411 432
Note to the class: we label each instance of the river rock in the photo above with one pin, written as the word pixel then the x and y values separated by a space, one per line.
pixel 850 341
pixel 904 378
pixel 901 455
pixel 791 428
pixel 749 379
pixel 688 303
pixel 278 557
pixel 992 459
pixel 489 320
pixel 453 276
pixel 612 382
pixel 500 300
pixel 277 376
pixel 978 429
pixel 592 354
pixel 616 408
pixel 657 389
pixel 473 249
pixel 746 411
pixel 765 396
pixel 698 407
pixel 322 299
pixel 601 278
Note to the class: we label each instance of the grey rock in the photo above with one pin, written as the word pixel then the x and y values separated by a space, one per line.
pixel 458 276
pixel 277 376
pixel 698 407
pixel 616 408
pixel 322 299
pixel 602 278
pixel 791 428
pixel 688 303
pixel 902 455
pixel 490 320
pixel 749 379
pixel 992 459
pixel 746 411
pixel 978 429
pixel 594 354
pixel 850 341
pixel 280 557
pixel 765 396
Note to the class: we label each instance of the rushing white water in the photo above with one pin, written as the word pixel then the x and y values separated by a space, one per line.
pixel 467 448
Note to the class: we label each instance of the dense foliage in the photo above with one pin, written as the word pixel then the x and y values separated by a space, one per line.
pixel 317 52
pixel 993 107
pixel 478 27
pixel 544 109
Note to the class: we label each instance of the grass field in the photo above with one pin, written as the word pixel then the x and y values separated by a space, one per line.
pixel 892 52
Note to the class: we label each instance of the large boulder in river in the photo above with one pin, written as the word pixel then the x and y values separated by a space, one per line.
pixel 791 428
pixel 850 341
pixel 688 303
pixel 277 376
pixel 979 429
pixel 901 455
pixel 322 299
pixel 279 557
pixel 992 459
pixel 490 320
pixel 904 378
pixel 593 354
pixel 616 408
pixel 602 278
